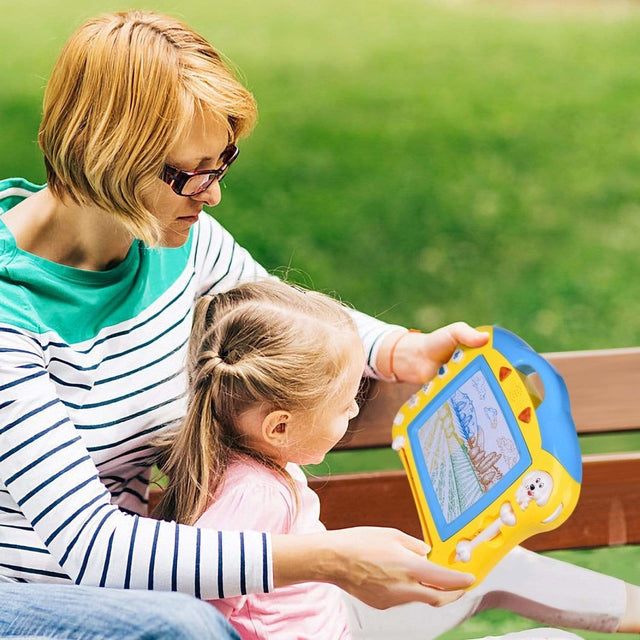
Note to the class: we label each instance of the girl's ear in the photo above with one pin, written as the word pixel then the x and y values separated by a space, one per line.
pixel 275 428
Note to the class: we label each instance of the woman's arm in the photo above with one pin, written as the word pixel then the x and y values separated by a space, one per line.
pixel 408 356
pixel 381 567
pixel 57 519
pixel 221 263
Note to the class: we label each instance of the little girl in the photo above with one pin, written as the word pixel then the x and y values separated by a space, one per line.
pixel 274 375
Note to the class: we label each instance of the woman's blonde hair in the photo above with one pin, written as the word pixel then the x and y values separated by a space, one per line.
pixel 123 91
pixel 264 343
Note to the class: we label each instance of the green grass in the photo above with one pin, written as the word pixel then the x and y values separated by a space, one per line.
pixel 430 162
pixel 337 462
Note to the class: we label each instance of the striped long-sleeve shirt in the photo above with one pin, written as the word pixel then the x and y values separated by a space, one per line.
pixel 92 370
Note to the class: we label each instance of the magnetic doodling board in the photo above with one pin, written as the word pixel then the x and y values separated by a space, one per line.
pixel 490 461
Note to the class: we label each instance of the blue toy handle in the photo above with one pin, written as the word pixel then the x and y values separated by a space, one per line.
pixel 557 430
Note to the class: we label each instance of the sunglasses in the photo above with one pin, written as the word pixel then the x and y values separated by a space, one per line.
pixel 191 183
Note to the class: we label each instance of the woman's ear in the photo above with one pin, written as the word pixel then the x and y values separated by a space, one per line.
pixel 275 428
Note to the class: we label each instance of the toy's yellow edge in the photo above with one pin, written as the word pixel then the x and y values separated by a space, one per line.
pixel 534 519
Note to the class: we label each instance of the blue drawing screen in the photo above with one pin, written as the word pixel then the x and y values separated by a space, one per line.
pixel 468 447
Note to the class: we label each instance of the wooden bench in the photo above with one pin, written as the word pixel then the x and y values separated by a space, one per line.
pixel 604 388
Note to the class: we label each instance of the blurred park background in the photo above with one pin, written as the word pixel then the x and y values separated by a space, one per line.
pixel 428 161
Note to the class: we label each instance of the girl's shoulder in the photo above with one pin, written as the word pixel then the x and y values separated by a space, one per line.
pixel 244 471
pixel 251 496
pixel 243 468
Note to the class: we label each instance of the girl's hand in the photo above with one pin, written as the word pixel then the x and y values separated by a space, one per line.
pixel 382 567
pixel 416 357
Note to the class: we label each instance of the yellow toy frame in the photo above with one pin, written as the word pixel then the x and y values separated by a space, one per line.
pixel 477 500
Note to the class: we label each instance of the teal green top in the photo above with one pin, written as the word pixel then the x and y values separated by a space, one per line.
pixel 75 302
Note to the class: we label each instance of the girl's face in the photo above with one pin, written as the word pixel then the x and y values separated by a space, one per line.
pixel 312 434
pixel 199 148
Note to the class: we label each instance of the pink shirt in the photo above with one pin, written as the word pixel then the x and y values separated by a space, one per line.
pixel 256 498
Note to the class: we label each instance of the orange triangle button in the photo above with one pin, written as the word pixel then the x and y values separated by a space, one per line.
pixel 504 373
pixel 525 416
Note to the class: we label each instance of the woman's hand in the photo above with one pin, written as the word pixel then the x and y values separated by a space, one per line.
pixel 416 357
pixel 382 567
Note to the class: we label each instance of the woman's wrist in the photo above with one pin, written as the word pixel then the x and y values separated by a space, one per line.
pixel 385 361
pixel 382 567
pixel 307 557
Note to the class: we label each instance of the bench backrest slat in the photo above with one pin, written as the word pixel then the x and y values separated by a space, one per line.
pixel 607 511
pixel 603 386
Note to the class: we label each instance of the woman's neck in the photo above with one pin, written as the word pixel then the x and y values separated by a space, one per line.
pixel 67 233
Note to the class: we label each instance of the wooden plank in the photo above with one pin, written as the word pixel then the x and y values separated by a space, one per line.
pixel 607 512
pixel 602 387
pixel 600 383
pixel 381 499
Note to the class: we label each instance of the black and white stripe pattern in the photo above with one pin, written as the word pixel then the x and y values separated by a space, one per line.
pixel 77 430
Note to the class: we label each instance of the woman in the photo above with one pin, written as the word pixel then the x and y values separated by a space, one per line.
pixel 100 272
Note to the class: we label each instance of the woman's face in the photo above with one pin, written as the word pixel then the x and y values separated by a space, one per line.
pixel 199 148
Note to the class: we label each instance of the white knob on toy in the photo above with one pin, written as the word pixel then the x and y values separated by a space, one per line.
pixel 398 443
pixel 506 515
pixel 464 548
pixel 463 551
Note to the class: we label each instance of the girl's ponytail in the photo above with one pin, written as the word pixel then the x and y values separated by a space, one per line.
pixel 260 344
pixel 196 452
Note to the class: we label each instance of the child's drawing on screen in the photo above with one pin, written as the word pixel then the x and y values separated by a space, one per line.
pixel 492 416
pixel 508 450
pixel 480 385
pixel 485 462
pixel 465 413
pixel 467 445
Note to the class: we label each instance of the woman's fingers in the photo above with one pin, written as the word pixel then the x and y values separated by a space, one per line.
pixel 388 567
pixel 418 356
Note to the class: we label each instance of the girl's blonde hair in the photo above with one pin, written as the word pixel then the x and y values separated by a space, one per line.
pixel 123 91
pixel 263 343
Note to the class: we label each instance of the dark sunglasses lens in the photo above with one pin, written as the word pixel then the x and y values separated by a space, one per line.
pixel 230 154
pixel 197 184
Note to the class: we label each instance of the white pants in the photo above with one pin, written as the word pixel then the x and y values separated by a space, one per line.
pixel 549 591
